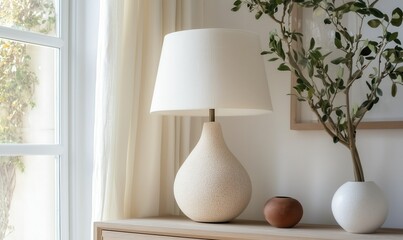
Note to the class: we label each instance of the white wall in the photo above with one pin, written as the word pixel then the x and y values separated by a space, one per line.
pixel 303 164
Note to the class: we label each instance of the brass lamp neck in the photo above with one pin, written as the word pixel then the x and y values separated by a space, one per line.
pixel 212 115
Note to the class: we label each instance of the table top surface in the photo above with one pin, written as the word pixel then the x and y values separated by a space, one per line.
pixel 239 229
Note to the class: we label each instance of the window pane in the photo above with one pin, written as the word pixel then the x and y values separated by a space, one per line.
pixel 28 186
pixel 30 15
pixel 27 93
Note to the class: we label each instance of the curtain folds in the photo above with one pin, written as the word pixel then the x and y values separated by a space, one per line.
pixel 136 155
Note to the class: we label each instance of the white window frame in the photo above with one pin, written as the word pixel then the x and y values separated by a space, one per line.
pixel 62 147
pixel 83 47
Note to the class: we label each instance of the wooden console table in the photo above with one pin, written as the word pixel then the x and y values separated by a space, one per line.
pixel 180 228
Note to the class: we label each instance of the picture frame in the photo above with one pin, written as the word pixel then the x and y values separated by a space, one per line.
pixel 297 110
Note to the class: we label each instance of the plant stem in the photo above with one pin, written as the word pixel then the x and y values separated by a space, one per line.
pixel 358 172
pixel 355 157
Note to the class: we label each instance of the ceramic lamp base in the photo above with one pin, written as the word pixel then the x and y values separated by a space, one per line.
pixel 212 185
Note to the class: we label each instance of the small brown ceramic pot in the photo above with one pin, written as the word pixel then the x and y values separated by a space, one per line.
pixel 283 212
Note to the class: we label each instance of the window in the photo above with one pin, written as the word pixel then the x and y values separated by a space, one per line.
pixel 33 119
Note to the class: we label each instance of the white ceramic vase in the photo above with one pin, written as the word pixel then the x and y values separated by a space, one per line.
pixel 359 207
pixel 212 185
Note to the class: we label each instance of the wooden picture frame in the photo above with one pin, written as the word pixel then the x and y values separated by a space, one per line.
pixel 295 109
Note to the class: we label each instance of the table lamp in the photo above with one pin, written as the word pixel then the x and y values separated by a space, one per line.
pixel 211 72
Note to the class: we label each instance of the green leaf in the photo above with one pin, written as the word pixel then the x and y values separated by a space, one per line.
pixel 394 90
pixel 310 69
pixel 340 84
pixel 312 44
pixel 361 60
pixel 258 14
pixel 379 91
pixel 369 85
pixel 360 111
pixel 338 60
pixel 236 8
pixel 388 66
pixel 283 67
pixel 360 4
pixel 337 40
pixel 310 93
pixel 376 12
pixel 365 51
pixel 297 89
pixel 315 55
pixel 332 90
pixel 337 35
pixel 272 59
pixel 374 23
pixel 347 36
pixel 340 72
pixel 279 50
pixel 357 74
pixel 335 139
pixel 391 36
pixel 397 17
pixel 373 46
pixel 344 8
pixel 363 11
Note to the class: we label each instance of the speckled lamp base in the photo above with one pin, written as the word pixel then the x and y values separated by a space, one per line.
pixel 212 185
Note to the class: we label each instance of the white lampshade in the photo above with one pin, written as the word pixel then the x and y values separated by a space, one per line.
pixel 217 69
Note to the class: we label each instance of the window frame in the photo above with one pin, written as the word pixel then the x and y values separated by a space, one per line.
pixel 61 148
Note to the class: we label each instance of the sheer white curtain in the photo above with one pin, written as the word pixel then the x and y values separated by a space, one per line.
pixel 136 155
